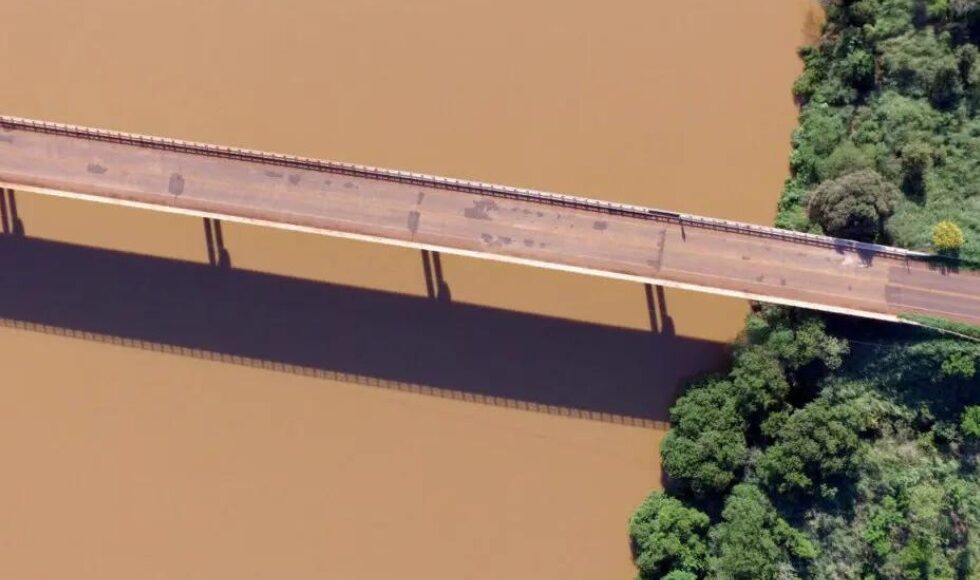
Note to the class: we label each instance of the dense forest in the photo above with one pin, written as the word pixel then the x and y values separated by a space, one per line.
pixel 837 448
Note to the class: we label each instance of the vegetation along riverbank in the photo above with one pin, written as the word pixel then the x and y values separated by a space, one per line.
pixel 834 447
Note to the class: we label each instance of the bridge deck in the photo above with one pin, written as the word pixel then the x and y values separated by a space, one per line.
pixel 479 220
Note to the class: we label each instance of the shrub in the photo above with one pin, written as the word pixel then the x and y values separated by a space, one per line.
pixel 853 206
pixel 846 158
pixel 943 325
pixel 970 423
pixel 923 65
pixel 916 160
pixel 958 365
pixel 947 237
pixel 858 69
pixel 679 575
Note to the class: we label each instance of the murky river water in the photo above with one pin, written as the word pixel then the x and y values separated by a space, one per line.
pixel 313 412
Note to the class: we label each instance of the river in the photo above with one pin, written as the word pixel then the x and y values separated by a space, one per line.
pixel 333 409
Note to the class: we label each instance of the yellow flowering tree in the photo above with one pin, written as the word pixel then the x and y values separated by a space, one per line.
pixel 947 236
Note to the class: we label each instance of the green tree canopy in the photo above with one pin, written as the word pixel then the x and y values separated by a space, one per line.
pixel 970 423
pixel 753 542
pixel 706 447
pixel 853 206
pixel 666 536
pixel 798 338
pixel 815 444
pixel 922 64
pixel 758 379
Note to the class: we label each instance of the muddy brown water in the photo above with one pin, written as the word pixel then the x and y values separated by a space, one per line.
pixel 334 409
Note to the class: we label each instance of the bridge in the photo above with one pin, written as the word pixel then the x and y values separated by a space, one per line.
pixel 481 220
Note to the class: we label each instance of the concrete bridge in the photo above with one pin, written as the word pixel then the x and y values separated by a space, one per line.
pixel 481 220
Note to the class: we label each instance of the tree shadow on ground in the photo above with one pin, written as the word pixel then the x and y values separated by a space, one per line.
pixel 864 253
pixel 350 332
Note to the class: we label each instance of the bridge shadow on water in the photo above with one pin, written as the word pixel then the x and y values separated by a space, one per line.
pixel 365 336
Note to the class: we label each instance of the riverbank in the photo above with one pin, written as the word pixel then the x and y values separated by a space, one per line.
pixel 836 448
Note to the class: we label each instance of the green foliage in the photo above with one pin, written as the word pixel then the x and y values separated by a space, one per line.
pixel 753 541
pixel 959 364
pixel 890 18
pixel 970 73
pixel 706 448
pixel 970 424
pixel 666 536
pixel 937 9
pixel 798 339
pixel 758 380
pixel 922 64
pixel 821 130
pixel 916 159
pixel 929 378
pixel 915 121
pixel 941 324
pixel 915 511
pixel 816 445
pixel 853 206
pixel 891 121
pixel 820 457
pixel 883 520
pixel 845 158
pixel 858 69
pixel 680 575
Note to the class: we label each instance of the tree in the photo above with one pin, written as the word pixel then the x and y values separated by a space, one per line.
pixel 666 536
pixel 758 379
pixel 947 237
pixel 858 69
pixel 798 338
pixel 814 445
pixel 706 447
pixel 753 542
pixel 853 206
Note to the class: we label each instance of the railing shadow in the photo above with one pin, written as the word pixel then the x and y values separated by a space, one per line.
pixel 371 337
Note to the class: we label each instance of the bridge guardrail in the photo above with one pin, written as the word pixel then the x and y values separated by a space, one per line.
pixel 463 185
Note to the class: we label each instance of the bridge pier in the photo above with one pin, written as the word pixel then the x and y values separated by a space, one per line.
pixel 12 224
pixel 660 321
pixel 3 212
pixel 217 253
pixel 435 284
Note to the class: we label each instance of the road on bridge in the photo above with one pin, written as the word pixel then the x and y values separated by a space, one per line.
pixel 481 220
